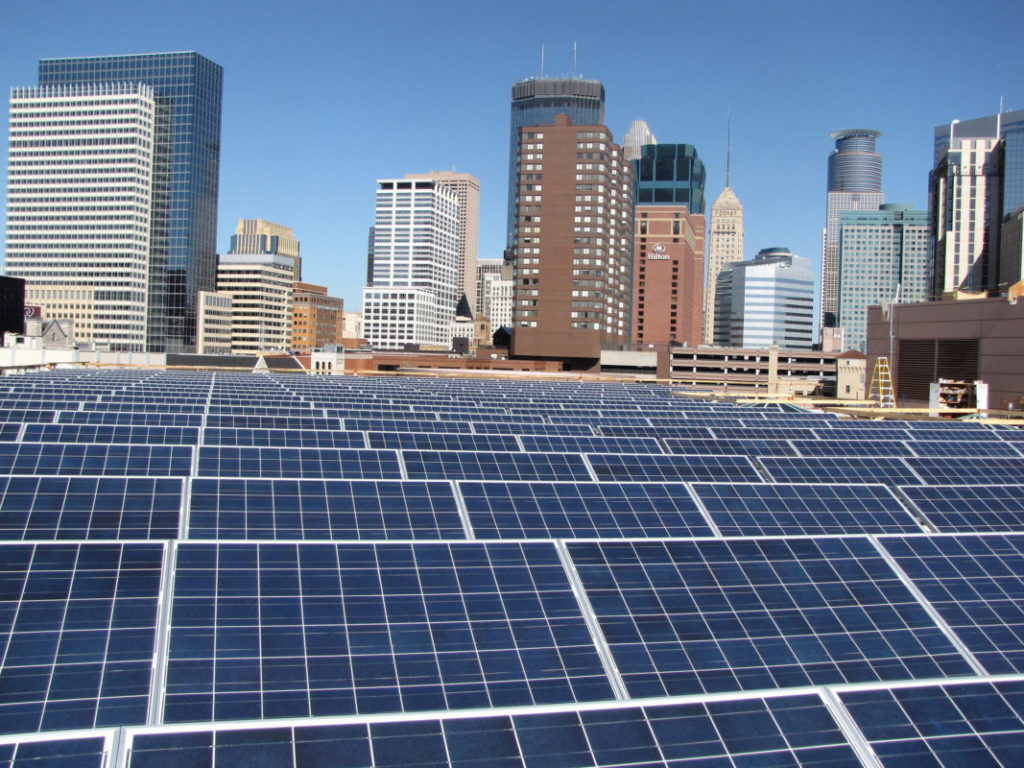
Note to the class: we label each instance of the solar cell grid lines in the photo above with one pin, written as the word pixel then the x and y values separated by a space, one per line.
pixel 735 447
pixel 348 463
pixel 626 467
pixel 686 617
pixel 68 508
pixel 229 421
pixel 108 433
pixel 283 438
pixel 847 448
pixel 581 510
pixel 442 441
pixel 991 470
pixel 587 444
pixel 776 509
pixel 969 509
pixel 962 448
pixel 323 510
pixel 131 418
pixel 485 465
pixel 94 459
pixel 891 470
pixel 284 630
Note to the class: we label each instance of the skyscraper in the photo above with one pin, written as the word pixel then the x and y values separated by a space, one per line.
pixel 668 245
pixel 975 187
pixel 467 189
pixel 768 300
pixel 536 102
pixel 854 184
pixel 261 236
pixel 572 270
pixel 879 252
pixel 186 157
pixel 637 136
pixel 415 260
pixel 725 246
pixel 81 208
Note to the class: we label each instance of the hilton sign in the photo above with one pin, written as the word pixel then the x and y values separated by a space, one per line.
pixel 658 253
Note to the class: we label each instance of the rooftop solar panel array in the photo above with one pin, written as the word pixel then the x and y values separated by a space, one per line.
pixel 229 568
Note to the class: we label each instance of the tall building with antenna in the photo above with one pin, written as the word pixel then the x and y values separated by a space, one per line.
pixel 638 135
pixel 725 240
pixel 536 101
pixel 854 184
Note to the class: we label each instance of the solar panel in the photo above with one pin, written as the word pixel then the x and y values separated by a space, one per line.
pixel 992 470
pixel 625 467
pixel 767 731
pixel 130 418
pixel 482 465
pixel 976 583
pixel 283 438
pixel 323 509
pixel 969 724
pixel 55 753
pixel 293 630
pixel 403 425
pixel 46 508
pixel 94 459
pixel 685 617
pixel 681 432
pixel 347 463
pixel 763 509
pixel 77 628
pixel 846 448
pixel 966 509
pixel 101 433
pixel 9 431
pixel 956 448
pixel 735 447
pixel 499 510
pixel 839 469
pixel 531 428
pixel 442 441
pixel 272 422
pixel 604 444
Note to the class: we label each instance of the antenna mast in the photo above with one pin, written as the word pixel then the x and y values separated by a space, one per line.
pixel 542 60
pixel 574 58
pixel 728 150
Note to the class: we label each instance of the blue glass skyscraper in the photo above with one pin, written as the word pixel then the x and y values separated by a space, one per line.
pixel 536 102
pixel 671 174
pixel 183 255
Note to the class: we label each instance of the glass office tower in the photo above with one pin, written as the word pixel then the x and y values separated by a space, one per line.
pixel 183 248
pixel 536 102
pixel 669 174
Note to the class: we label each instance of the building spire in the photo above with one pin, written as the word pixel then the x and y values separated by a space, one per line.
pixel 728 150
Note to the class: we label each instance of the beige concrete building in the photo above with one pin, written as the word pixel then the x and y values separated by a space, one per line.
pixel 260 287
pixel 262 236
pixel 213 335
pixel 467 190
pixel 352 325
pixel 725 245
pixel 317 319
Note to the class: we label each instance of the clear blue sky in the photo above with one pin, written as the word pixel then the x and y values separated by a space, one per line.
pixel 323 98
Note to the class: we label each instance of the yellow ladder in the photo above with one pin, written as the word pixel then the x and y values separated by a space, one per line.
pixel 881 384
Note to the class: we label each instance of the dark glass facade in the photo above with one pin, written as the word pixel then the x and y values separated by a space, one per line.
pixel 671 174
pixel 183 256
pixel 536 102
pixel 854 166
pixel 12 305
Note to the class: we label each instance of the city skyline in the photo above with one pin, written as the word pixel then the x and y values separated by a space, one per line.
pixel 318 159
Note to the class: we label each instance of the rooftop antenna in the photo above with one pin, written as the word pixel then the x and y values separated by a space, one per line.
pixel 728 150
pixel 542 60
pixel 999 119
pixel 574 58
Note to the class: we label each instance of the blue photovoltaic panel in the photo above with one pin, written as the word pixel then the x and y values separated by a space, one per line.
pixel 442 441
pixel 271 422
pixel 94 459
pixel 481 465
pixel 283 438
pixel 323 509
pixel 127 419
pixel 293 630
pixel 531 428
pixel 404 425
pixel 955 448
pixel 682 432
pixel 859 430
pixel 730 447
pixel 586 444
pixel 684 617
pixel 784 509
pixel 763 433
pixel 347 463
pixel 770 731
pixel 944 726
pixel 85 752
pixel 104 433
pixel 77 626
pixel 838 469
pixel 977 585
pixel 9 431
pixel 993 470
pixel 581 510
pixel 26 415
pixel 623 467
pixel 46 508
pixel 967 509
pixel 845 448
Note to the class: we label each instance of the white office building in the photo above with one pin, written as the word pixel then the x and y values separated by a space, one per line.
pixel 411 300
pixel 260 288
pixel 768 300
pixel 79 206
